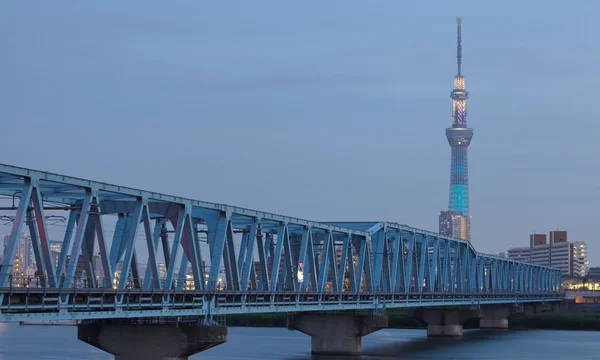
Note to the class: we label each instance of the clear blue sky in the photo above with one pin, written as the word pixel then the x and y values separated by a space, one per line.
pixel 327 110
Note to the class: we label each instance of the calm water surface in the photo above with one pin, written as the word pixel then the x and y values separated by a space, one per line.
pixel 60 342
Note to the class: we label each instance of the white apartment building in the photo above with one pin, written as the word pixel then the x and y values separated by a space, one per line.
pixel 569 257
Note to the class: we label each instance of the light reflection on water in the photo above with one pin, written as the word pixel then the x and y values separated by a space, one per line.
pixel 60 342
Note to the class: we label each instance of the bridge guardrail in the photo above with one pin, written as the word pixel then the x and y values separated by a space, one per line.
pixel 23 282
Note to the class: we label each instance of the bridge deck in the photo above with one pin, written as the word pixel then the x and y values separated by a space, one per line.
pixel 40 304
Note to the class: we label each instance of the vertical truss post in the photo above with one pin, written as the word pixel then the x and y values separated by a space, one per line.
pixel 115 255
pixel 198 252
pixel 42 231
pixel 270 249
pixel 164 240
pixel 64 250
pixel 378 241
pixel 281 235
pixel 397 257
pixel 87 248
pixel 491 274
pixel 79 237
pixel 453 265
pixel 402 263
pixel 350 263
pixel 387 250
pixel 35 244
pixel 368 265
pixel 248 264
pixel 151 243
pixel 305 256
pixel 312 262
pixel 544 279
pixel 518 277
pixel 129 262
pixel 507 277
pixel 104 256
pixel 343 259
pixel 433 262
pixel 484 277
pixel 15 234
pixel 445 265
pixel 176 242
pixel 474 273
pixel 217 228
pixel 191 247
pixel 526 279
pixel 409 262
pixel 332 267
pixel 242 254
pixel 253 278
pixel 289 267
pixel 181 275
pixel 231 269
pixel 324 266
pixel 465 284
pixel 150 280
pixel 263 285
pixel 500 275
pixel 422 261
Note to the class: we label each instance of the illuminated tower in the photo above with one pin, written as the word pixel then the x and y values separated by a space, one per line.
pixel 456 222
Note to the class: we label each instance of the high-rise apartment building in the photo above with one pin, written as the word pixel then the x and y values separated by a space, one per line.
pixel 23 251
pixel 456 222
pixel 453 223
pixel 569 257
pixel 594 271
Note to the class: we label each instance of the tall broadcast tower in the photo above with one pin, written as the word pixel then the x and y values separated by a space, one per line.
pixel 456 221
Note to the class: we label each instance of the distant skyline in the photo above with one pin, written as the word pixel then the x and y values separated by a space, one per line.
pixel 319 110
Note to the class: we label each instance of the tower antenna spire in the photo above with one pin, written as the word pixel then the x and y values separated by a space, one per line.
pixel 458 46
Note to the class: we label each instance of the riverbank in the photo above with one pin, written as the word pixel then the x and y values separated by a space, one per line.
pixel 558 321
pixel 400 319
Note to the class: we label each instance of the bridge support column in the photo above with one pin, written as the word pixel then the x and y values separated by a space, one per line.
pixel 494 317
pixel 128 340
pixel 336 334
pixel 444 322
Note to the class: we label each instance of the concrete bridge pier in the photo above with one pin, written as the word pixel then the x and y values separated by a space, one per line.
pixel 443 322
pixel 336 334
pixel 494 317
pixel 130 339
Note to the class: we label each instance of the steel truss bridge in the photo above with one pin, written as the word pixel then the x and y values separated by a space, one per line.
pixel 221 259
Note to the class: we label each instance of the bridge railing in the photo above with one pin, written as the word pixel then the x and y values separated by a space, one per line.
pixel 24 282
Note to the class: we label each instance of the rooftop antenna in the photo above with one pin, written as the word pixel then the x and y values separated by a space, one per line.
pixel 458 47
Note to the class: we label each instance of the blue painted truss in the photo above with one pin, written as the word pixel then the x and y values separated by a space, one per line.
pixel 213 251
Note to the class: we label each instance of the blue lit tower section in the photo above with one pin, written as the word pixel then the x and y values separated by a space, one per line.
pixel 459 137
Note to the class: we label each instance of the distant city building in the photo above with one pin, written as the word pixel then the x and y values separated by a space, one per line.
pixel 594 271
pixel 98 268
pixel 79 267
pixel 24 251
pixel 456 222
pixel 55 247
pixel 569 257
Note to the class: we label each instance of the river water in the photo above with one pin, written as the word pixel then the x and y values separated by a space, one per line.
pixel 60 342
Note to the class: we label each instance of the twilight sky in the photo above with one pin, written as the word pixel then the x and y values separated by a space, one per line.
pixel 326 110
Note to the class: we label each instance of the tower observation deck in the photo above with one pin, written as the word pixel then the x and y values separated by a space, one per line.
pixel 456 221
